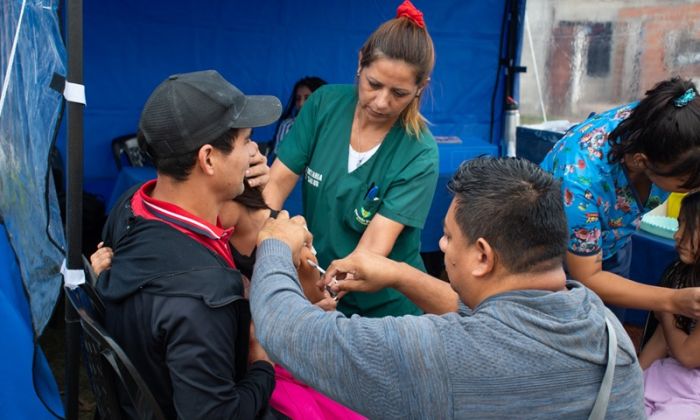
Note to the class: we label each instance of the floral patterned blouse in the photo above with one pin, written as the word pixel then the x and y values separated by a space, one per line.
pixel 602 208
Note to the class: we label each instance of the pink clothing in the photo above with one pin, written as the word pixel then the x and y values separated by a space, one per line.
pixel 299 401
pixel 671 391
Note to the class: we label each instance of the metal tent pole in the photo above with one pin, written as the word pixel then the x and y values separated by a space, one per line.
pixel 511 108
pixel 74 201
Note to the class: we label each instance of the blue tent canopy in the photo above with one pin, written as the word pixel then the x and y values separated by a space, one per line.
pixel 262 47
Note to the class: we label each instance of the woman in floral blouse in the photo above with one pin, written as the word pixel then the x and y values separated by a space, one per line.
pixel 616 166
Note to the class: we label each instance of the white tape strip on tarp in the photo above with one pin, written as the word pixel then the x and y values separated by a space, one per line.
pixel 72 278
pixel 13 51
pixel 74 92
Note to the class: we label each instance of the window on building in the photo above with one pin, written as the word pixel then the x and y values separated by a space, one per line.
pixel 599 49
pixel 688 51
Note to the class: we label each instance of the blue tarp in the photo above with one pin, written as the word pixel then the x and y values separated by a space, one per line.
pixel 31 50
pixel 28 389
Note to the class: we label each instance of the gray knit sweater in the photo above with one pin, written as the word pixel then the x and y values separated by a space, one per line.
pixel 523 354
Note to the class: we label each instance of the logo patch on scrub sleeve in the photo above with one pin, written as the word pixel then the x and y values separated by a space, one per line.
pixel 364 214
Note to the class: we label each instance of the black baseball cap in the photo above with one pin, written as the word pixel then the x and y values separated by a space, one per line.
pixel 189 110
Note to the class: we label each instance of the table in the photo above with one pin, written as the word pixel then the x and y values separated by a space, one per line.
pixel 451 156
pixel 128 177
pixel 651 255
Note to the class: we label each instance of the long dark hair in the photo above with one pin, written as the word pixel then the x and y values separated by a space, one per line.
pixel 666 133
pixel 681 275
pixel 251 198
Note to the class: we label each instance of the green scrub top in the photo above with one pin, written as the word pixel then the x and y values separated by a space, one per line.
pixel 338 205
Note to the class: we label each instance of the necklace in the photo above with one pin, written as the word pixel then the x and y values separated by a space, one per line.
pixel 361 157
pixel 374 133
pixel 356 159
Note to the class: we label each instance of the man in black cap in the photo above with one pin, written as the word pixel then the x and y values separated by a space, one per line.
pixel 174 299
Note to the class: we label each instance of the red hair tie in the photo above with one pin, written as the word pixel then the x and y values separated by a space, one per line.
pixel 408 10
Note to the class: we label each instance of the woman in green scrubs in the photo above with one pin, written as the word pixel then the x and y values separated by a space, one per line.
pixel 369 163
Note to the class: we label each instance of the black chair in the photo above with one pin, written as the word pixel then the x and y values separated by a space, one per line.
pixel 650 325
pixel 649 328
pixel 109 367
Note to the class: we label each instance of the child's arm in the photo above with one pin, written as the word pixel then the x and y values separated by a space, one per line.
pixel 654 349
pixel 101 259
pixel 683 347
pixel 309 276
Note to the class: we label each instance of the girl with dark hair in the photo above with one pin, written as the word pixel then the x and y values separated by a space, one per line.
pixel 248 212
pixel 369 163
pixel 303 88
pixel 671 358
pixel 616 166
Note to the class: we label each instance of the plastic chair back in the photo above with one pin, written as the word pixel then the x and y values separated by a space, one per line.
pixel 109 368
pixel 649 327
pixel 95 306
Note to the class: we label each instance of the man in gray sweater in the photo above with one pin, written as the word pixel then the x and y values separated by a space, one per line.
pixel 509 336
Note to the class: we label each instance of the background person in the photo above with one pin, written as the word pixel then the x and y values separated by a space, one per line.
pixel 527 341
pixel 303 88
pixel 614 167
pixel 368 161
pixel 248 213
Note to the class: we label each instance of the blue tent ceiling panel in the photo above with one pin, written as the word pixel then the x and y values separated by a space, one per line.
pixel 264 46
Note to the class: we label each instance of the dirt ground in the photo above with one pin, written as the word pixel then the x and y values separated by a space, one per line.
pixel 54 347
